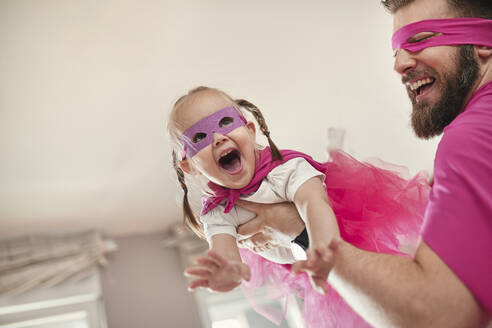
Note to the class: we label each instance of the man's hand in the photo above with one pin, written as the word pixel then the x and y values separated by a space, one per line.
pixel 217 273
pixel 274 225
pixel 320 261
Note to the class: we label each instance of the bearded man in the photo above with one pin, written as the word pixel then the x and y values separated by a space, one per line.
pixel 443 52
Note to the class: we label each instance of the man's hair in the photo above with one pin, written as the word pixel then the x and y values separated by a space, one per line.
pixel 463 8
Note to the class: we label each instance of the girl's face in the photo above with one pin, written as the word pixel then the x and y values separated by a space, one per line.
pixel 229 160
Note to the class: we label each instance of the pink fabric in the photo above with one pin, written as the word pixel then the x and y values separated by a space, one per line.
pixel 454 31
pixel 376 210
pixel 458 220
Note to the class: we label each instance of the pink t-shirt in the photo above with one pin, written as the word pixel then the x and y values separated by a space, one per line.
pixel 458 218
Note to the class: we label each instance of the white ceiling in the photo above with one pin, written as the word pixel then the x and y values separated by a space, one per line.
pixel 85 88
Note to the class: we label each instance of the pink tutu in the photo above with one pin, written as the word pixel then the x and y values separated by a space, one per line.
pixel 377 210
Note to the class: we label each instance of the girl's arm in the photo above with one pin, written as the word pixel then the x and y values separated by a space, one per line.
pixel 221 269
pixel 313 206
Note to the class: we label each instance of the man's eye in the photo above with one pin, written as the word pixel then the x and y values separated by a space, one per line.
pixel 199 137
pixel 421 37
pixel 226 121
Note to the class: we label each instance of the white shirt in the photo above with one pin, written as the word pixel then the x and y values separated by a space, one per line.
pixel 280 185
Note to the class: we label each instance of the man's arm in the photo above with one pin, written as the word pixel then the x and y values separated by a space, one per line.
pixel 270 219
pixel 386 290
pixel 395 291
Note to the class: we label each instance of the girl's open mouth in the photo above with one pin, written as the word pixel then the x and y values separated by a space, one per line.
pixel 231 161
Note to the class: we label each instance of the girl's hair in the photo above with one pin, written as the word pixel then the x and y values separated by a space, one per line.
pixel 174 127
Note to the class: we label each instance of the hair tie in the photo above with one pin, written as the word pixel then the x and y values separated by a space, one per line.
pixel 185 190
pixel 267 134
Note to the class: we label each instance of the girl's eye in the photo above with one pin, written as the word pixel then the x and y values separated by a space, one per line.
pixel 226 121
pixel 199 137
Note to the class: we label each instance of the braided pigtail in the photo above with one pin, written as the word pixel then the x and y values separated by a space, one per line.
pixel 188 217
pixel 276 155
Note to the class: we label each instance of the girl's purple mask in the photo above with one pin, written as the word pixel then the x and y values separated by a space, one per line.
pixel 201 134
pixel 452 31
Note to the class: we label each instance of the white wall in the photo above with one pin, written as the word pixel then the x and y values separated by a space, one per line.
pixel 309 65
pixel 85 87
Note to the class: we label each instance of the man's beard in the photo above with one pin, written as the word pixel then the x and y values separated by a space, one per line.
pixel 430 120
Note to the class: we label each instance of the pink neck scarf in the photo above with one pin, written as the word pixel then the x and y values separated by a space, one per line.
pixel 264 165
pixel 453 31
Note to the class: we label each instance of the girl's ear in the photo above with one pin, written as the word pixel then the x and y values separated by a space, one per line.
pixel 484 52
pixel 188 168
pixel 251 127
pixel 185 166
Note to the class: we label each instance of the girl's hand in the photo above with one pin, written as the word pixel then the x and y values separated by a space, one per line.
pixel 217 273
pixel 320 261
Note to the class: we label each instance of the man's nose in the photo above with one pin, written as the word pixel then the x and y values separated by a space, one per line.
pixel 404 61
pixel 219 138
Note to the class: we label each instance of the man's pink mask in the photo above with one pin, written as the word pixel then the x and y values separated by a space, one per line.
pixel 452 31
pixel 201 134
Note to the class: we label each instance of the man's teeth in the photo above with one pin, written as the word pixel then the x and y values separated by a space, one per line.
pixel 417 84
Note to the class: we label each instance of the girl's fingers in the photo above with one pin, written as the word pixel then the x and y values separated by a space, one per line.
pixel 335 243
pixel 315 285
pixel 299 266
pixel 243 271
pixel 325 253
pixel 312 257
pixel 219 260
pixel 208 263
pixel 197 272
pixel 198 283
pixel 319 285
pixel 325 288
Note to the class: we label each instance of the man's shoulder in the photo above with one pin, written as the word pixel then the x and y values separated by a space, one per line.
pixel 470 129
pixel 478 113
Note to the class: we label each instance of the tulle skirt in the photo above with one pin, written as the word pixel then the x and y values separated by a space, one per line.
pixel 378 208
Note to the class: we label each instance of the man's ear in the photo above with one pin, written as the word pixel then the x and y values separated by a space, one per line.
pixel 186 167
pixel 484 52
pixel 251 127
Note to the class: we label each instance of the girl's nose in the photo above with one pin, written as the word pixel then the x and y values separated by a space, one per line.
pixel 404 61
pixel 219 138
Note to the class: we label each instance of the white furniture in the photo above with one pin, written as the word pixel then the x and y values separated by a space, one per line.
pixel 71 304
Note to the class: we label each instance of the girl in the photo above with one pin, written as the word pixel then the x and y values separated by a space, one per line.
pixel 217 144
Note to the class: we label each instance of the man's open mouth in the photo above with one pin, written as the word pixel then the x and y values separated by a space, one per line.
pixel 231 161
pixel 418 87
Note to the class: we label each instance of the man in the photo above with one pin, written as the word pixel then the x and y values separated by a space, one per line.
pixel 449 281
